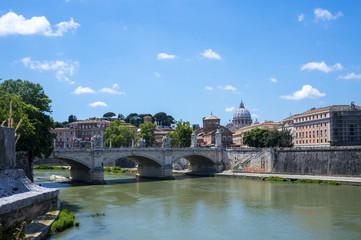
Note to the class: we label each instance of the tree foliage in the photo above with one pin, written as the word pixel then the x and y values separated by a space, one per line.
pixel 147 133
pixel 31 101
pixel 119 134
pixel 72 118
pixel 181 137
pixel 163 119
pixel 258 137
pixel 109 114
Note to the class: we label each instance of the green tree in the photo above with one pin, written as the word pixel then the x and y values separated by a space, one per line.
pixel 121 116
pixel 256 137
pixel 147 133
pixel 267 138
pixel 37 143
pixel 72 118
pixel 181 137
pixel 163 119
pixel 119 134
pixel 109 114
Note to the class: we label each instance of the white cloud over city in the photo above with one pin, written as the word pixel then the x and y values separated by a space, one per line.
pixel 229 109
pixel 322 66
pixel 351 76
pixel 300 17
pixel 13 24
pixel 162 56
pixel 63 69
pixel 83 90
pixel 307 91
pixel 274 80
pixel 208 88
pixel 157 75
pixel 325 15
pixel 227 88
pixel 210 54
pixel 98 104
pixel 112 90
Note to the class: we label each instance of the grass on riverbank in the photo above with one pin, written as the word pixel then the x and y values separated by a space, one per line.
pixel 302 180
pixel 117 170
pixel 66 220
pixel 48 167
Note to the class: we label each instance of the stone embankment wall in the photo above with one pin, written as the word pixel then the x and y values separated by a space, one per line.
pixel 20 199
pixel 324 161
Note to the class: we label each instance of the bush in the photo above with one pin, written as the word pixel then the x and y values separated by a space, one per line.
pixel 302 180
pixel 47 167
pixel 277 179
pixel 65 220
pixel 114 169
pixel 16 232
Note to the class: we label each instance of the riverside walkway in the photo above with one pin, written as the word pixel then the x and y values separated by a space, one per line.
pixel 341 179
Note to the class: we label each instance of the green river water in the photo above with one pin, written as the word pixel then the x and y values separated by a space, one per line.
pixel 208 208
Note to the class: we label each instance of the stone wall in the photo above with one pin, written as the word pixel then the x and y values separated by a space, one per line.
pixel 328 161
pixel 7 148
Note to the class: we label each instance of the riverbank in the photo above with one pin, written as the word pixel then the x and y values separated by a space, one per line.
pixel 293 177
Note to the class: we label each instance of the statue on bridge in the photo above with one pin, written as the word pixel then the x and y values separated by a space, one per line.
pixel 142 143
pixel 166 142
pixel 96 142
pixel 76 142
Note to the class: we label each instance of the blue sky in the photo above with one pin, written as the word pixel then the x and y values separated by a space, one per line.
pixel 186 58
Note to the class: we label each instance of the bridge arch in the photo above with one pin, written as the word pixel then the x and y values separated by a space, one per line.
pixel 199 162
pixel 138 158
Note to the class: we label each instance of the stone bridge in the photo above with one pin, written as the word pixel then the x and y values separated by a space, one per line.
pixel 87 164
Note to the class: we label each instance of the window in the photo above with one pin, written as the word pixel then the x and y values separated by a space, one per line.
pixel 325 140
pixel 229 138
pixel 71 133
pixel 224 138
pixel 306 141
pixel 321 134
pixel 317 133
pixel 325 132
pixel 321 140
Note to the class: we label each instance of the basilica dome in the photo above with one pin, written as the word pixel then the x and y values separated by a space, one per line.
pixel 241 112
pixel 241 118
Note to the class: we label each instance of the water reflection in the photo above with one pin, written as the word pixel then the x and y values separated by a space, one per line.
pixel 212 208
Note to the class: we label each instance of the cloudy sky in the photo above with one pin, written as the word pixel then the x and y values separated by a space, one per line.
pixel 186 58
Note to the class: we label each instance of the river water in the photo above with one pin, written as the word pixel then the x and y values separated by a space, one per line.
pixel 208 208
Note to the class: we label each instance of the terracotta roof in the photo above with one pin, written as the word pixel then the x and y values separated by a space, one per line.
pixel 211 117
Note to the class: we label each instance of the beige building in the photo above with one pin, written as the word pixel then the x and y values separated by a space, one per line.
pixel 336 125
pixel 238 134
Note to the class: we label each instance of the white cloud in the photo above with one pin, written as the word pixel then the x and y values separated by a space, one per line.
pixel 98 104
pixel 307 91
pixel 157 75
pixel 229 109
pixel 161 56
pixel 272 79
pixel 228 88
pixel 112 90
pixel 324 15
pixel 255 115
pixel 351 76
pixel 62 69
pixel 11 24
pixel 300 17
pixel 209 53
pixel 82 90
pixel 208 88
pixel 321 66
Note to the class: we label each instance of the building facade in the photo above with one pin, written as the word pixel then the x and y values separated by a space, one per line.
pixel 337 125
pixel 206 134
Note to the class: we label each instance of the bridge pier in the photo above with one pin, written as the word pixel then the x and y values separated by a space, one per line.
pixel 90 176
pixel 156 172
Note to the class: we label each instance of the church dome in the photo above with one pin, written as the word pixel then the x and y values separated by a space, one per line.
pixel 241 112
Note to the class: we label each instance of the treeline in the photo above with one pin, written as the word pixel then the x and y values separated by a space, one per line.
pixel 259 137
pixel 160 119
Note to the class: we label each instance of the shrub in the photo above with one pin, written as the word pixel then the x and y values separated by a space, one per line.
pixel 65 220
pixel 114 169
pixel 302 180
pixel 277 179
pixel 47 167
